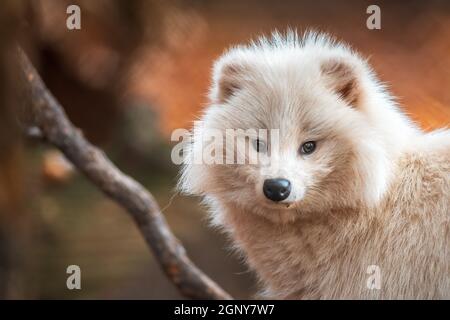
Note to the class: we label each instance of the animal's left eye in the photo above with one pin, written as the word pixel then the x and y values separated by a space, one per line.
pixel 308 147
pixel 259 145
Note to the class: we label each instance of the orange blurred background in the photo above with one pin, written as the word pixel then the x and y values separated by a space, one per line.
pixel 410 52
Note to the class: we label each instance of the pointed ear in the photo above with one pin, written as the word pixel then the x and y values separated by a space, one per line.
pixel 343 76
pixel 228 79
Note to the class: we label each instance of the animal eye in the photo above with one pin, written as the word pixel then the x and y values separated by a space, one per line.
pixel 308 147
pixel 259 145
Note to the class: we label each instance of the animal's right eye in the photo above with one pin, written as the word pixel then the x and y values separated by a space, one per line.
pixel 259 145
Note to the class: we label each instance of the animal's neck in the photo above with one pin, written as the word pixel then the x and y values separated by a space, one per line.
pixel 290 251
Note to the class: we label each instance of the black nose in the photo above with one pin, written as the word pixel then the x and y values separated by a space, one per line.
pixel 276 189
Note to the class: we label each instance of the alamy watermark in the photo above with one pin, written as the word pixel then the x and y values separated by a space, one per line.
pixel 228 146
pixel 73 21
pixel 374 20
pixel 74 280
pixel 374 280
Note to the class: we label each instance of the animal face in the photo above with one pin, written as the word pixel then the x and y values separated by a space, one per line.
pixel 325 152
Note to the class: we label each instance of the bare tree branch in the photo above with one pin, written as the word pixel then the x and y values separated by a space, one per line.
pixel 50 118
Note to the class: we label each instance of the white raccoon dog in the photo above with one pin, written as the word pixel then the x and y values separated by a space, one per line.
pixel 354 184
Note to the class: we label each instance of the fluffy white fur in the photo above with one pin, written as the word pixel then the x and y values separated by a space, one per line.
pixel 375 192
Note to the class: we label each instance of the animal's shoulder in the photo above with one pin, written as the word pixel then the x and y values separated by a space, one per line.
pixel 423 181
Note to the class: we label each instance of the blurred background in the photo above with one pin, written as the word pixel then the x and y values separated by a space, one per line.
pixel 135 71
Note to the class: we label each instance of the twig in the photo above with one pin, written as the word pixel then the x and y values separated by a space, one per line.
pixel 51 120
